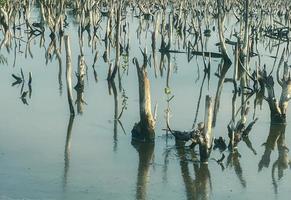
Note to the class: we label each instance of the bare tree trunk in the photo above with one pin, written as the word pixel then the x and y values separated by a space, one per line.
pixel 117 43
pixel 226 60
pixel 144 129
pixel 278 109
pixel 221 16
pixel 221 81
pixel 69 74
pixel 205 145
pixel 80 84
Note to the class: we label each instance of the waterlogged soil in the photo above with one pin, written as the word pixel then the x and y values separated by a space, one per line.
pixel 46 154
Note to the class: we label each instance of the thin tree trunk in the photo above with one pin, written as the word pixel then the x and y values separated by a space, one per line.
pixel 205 145
pixel 69 74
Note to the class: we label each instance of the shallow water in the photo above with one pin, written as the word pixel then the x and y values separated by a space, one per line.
pixel 45 154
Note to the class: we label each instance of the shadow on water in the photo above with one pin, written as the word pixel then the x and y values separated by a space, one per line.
pixel 276 137
pixel 145 154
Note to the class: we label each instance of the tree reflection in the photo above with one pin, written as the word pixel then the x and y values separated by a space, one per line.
pixel 275 132
pixel 276 137
pixel 112 88
pixel 173 24
pixel 67 154
pixel 233 161
pixel 200 186
pixel 145 153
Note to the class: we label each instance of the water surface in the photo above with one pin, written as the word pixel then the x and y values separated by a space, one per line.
pixel 46 154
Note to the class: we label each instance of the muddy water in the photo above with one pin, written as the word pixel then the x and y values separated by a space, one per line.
pixel 45 154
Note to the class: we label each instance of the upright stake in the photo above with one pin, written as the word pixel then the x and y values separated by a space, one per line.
pixel 207 136
pixel 69 74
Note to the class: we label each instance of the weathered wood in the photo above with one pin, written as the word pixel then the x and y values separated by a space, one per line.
pixel 81 72
pixel 205 145
pixel 222 77
pixel 69 74
pixel 117 42
pixel 144 129
pixel 80 84
pixel 221 16
pixel 278 109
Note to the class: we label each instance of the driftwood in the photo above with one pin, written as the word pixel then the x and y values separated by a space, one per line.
pixel 144 129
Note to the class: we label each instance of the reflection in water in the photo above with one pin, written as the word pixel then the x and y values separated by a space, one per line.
pixel 169 25
pixel 199 99
pixel 249 144
pixel 233 161
pixel 166 163
pixel 21 80
pixel 222 75
pixel 112 87
pixel 200 187
pixel 276 131
pixel 276 136
pixel 117 115
pixel 145 153
pixel 67 154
